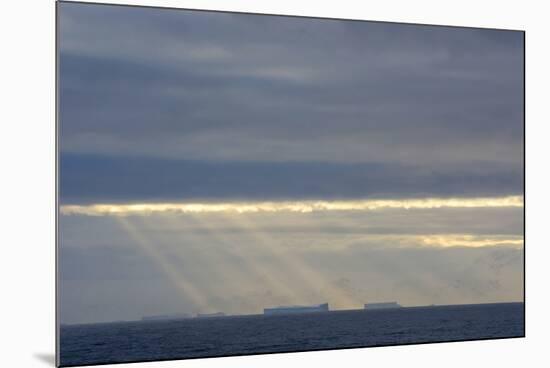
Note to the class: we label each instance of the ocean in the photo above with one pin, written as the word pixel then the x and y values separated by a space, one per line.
pixel 255 334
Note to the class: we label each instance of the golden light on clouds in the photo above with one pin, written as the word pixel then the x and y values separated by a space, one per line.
pixel 130 209
pixel 466 240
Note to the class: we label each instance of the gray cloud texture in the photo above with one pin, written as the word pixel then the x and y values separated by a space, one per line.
pixel 112 179
pixel 222 87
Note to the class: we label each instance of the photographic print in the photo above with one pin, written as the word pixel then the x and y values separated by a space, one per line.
pixel 235 184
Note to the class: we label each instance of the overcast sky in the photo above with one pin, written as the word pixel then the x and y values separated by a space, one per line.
pixel 164 106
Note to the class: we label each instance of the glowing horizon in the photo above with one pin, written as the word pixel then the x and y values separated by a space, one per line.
pixel 306 206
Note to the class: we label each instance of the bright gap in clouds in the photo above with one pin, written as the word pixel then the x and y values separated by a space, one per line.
pixel 446 240
pixel 127 209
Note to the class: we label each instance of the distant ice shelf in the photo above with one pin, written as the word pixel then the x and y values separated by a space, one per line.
pixel 383 305
pixel 292 309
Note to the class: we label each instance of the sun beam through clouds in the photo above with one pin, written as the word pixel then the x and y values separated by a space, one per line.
pixel 184 286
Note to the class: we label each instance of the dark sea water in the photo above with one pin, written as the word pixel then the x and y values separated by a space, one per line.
pixel 207 337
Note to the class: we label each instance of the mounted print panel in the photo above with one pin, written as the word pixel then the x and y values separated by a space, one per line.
pixel 234 184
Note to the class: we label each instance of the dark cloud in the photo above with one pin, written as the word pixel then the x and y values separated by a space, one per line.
pixel 231 87
pixel 107 179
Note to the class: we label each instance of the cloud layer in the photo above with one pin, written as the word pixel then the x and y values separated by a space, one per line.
pixel 270 96
pixel 98 179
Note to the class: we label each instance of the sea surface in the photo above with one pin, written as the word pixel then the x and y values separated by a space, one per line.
pixel 207 337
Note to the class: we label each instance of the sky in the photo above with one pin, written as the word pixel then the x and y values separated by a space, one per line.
pixel 223 162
